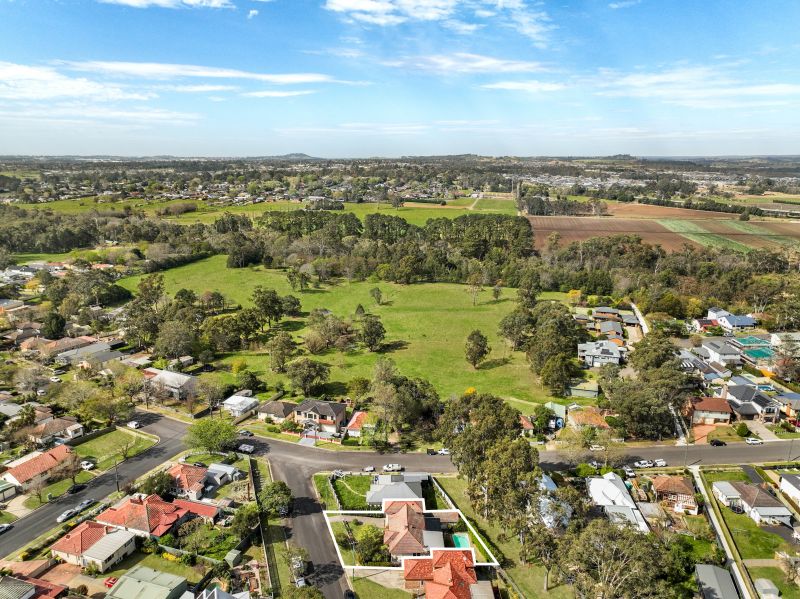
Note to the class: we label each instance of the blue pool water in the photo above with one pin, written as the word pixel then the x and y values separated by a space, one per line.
pixel 461 540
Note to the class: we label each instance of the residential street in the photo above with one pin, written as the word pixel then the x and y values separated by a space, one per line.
pixel 295 464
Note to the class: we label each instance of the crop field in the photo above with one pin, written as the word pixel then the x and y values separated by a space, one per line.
pixel 426 324
pixel 701 235
pixel 647 211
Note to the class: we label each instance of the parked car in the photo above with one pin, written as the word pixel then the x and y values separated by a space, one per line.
pixel 55 379
pixel 134 424
pixel 596 448
pixel 392 468
pixel 41 392
pixel 199 464
pixel 348 594
pixel 444 451
pixel 717 443
pixel 245 448
pixel 643 464
pixel 245 433
pixel 86 503
pixel 76 489
pixel 595 464
pixel 431 451
pixel 66 515
pixel 369 469
pixel 753 441
pixel 629 472
pixel 659 463
pixel 87 465
pixel 4 528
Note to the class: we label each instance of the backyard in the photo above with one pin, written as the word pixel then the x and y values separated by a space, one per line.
pixel 108 448
pixel 159 563
pixel 366 589
pixel 789 590
pixel 352 491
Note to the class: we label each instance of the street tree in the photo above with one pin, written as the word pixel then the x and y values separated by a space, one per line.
pixel 376 295
pixel 275 498
pixel 212 434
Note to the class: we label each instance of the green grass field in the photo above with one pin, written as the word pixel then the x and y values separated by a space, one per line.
pixel 366 589
pixel 325 493
pixel 105 449
pixel 698 234
pixel 352 491
pixel 752 541
pixel 789 590
pixel 753 229
pixel 55 490
pixel 427 324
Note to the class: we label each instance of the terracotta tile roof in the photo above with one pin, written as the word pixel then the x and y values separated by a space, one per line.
pixel 418 569
pixel 672 484
pixel 206 510
pixel 44 588
pixel 526 423
pixel 712 404
pixel 188 477
pixel 357 421
pixel 404 526
pixel 151 514
pixel 40 464
pixel 453 574
pixel 80 538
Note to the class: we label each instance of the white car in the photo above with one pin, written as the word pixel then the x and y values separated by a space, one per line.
pixel 392 468
pixel 369 468
pixel 41 392
pixel 66 515
pixel 659 463
pixel 596 448
pixel 87 465
pixel 629 472
pixel 643 464
pixel 753 441
pixel 55 379
pixel 245 448
pixel 134 424
pixel 444 451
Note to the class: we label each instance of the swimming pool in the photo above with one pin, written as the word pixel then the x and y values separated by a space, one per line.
pixel 461 540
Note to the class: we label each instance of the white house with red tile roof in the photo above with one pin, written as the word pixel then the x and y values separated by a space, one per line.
pixel 35 467
pixel 94 543
pixel 144 516
pixel 357 423
pixel 189 481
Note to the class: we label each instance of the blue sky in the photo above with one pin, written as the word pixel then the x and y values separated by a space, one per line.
pixel 347 78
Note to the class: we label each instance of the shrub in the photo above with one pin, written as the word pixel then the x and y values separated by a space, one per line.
pixel 273 428
pixel 742 430
pixel 583 470
pixel 188 559
pixel 82 589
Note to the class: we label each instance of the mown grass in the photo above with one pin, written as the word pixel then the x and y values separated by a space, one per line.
pixel 698 234
pixel 352 491
pixel 56 489
pixel 530 579
pixel 427 326
pixel 325 493
pixel 789 590
pixel 106 449
pixel 752 541
pixel 366 589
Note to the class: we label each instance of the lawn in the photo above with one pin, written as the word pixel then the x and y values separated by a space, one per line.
pixel 105 449
pixel 348 553
pixel 752 541
pixel 366 589
pixel 56 490
pixel 325 492
pixel 789 590
pixel 7 518
pixel 725 433
pixel 352 491
pixel 426 324
pixel 191 573
pixel 695 232
pixel 732 475
pixel 530 579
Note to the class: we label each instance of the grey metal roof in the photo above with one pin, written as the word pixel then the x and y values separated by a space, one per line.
pixel 715 582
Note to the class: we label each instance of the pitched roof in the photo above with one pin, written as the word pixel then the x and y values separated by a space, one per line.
pixel 80 538
pixel 278 408
pixel 329 409
pixel 755 496
pixel 188 477
pixel 40 464
pixel 526 423
pixel 53 427
pixel 453 574
pixel 403 531
pixel 712 404
pixel 357 421
pixel 206 510
pixel 672 484
pixel 151 514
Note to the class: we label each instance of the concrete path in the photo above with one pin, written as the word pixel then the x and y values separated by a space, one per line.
pixel 762 563
pixel 16 506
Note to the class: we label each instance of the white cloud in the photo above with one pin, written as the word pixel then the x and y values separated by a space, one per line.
pixel 172 3
pixel 623 4
pixel 530 86
pixel 157 70
pixel 465 62
pixel 252 13
pixel 278 93
pixel 196 89
pixel 23 82
pixel 82 111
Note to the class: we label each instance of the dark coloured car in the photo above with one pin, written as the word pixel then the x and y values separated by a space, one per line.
pixel 430 451
pixel 4 528
pixel 245 433
pixel 76 489
pixel 199 464
pixel 348 594
pixel 717 443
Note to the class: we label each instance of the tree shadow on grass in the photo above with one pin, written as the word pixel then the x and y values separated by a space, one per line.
pixel 335 388
pixel 392 346
pixel 495 363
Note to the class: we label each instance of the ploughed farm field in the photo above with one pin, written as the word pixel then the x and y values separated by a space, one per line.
pixel 427 326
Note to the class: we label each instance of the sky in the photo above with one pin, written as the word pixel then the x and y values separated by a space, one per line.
pixel 361 78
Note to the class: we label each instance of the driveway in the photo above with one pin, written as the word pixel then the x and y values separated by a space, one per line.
pixel 701 432
pixel 761 430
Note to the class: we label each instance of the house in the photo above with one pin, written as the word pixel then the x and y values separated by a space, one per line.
pixel 630 320
pixel 677 492
pixel 790 486
pixel 790 404
pixel 144 516
pixel 189 481
pixel 207 511
pixel 277 411
pixel 65 344
pixel 553 512
pixel 408 531
pixel 100 360
pixel 711 410
pixel 722 352
pixel 221 474
pixel 93 543
pixel 35 467
pixel 140 360
pixel 714 582
pixel 606 313
pixel 405 486
pixel 589 416
pixel 789 339
pixel 141 581
pixel 609 328
pixel 716 313
pixel 81 353
pixel 701 325
pixel 610 493
pixel 559 418
pixel 25 587
pixel 177 384
pixel 327 416
pixel 359 422
pixel 754 501
pixel 527 426
pixel 447 574
pixel 64 428
pixel 748 403
pixel 733 323
pixel 239 405
pixel 9 304
pixel 598 353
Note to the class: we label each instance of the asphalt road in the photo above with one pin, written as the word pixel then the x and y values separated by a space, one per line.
pixel 40 521
pixel 295 464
